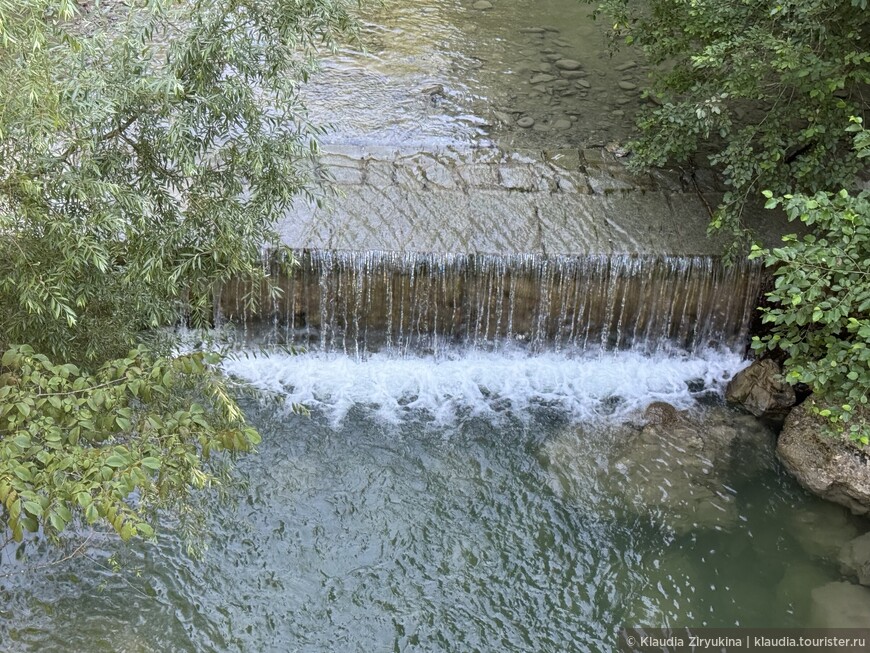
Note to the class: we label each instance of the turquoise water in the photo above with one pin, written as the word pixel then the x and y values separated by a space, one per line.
pixel 506 529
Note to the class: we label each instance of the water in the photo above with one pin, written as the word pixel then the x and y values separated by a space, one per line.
pixel 442 74
pixel 353 301
pixel 474 475
pixel 509 522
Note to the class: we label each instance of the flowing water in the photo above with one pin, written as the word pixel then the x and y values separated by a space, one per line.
pixel 474 502
pixel 440 73
pixel 475 474
pixel 349 301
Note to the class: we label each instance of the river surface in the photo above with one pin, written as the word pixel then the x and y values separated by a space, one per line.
pixel 441 73
pixel 471 503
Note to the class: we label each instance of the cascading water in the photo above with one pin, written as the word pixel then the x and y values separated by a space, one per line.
pixel 358 302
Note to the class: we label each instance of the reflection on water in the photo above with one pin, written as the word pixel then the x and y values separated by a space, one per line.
pixel 443 73
pixel 518 531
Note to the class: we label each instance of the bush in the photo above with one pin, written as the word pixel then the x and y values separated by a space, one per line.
pixel 820 304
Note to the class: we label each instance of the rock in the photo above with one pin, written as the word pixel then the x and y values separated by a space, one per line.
pixel 555 56
pixel 761 390
pixel 433 89
pixel 572 74
pixel 541 79
pixel 628 65
pixel 832 467
pixel 582 83
pixel 519 178
pixel 532 30
pixel 506 118
pixel 661 412
pixel 525 122
pixel 822 529
pixel 855 559
pixel 677 470
pixel 794 590
pixel 567 64
pixel 841 605
pixel 561 84
pixel 542 67
pixel 627 86
pixel 482 5
pixel 619 113
pixel 562 124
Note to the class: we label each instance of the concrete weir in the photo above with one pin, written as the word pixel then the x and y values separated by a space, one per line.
pixel 557 248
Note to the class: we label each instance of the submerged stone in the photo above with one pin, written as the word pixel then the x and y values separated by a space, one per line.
pixel 841 605
pixel 482 5
pixel 855 559
pixel 822 529
pixel 525 122
pixel 628 65
pixel 568 64
pixel 541 79
pixel 675 469
pixel 795 587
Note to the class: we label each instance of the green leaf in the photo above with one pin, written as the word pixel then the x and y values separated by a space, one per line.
pixel 151 463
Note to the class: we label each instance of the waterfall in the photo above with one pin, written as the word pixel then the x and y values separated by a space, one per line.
pixel 357 302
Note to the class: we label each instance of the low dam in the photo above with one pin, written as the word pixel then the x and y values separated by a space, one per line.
pixel 550 248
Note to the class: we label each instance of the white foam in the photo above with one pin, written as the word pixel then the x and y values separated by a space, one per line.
pixel 602 386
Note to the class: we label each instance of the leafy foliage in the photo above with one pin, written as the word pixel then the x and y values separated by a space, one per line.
pixel 820 305
pixel 146 152
pixel 113 445
pixel 145 156
pixel 759 89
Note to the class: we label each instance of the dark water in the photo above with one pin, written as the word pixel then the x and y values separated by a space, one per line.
pixel 500 530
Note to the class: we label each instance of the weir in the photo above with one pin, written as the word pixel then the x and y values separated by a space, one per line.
pixel 551 249
pixel 360 301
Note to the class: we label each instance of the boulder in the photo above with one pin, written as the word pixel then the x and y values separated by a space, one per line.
pixel 661 412
pixel 855 559
pixel 761 390
pixel 840 605
pixel 678 470
pixel 822 529
pixel 832 467
pixel 795 587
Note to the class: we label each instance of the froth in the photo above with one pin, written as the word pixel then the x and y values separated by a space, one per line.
pixel 609 386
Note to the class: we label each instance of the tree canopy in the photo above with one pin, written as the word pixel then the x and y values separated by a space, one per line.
pixel 763 91
pixel 819 308
pixel 146 151
pixel 774 96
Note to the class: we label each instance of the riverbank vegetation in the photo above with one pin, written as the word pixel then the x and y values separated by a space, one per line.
pixel 146 151
pixel 773 95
